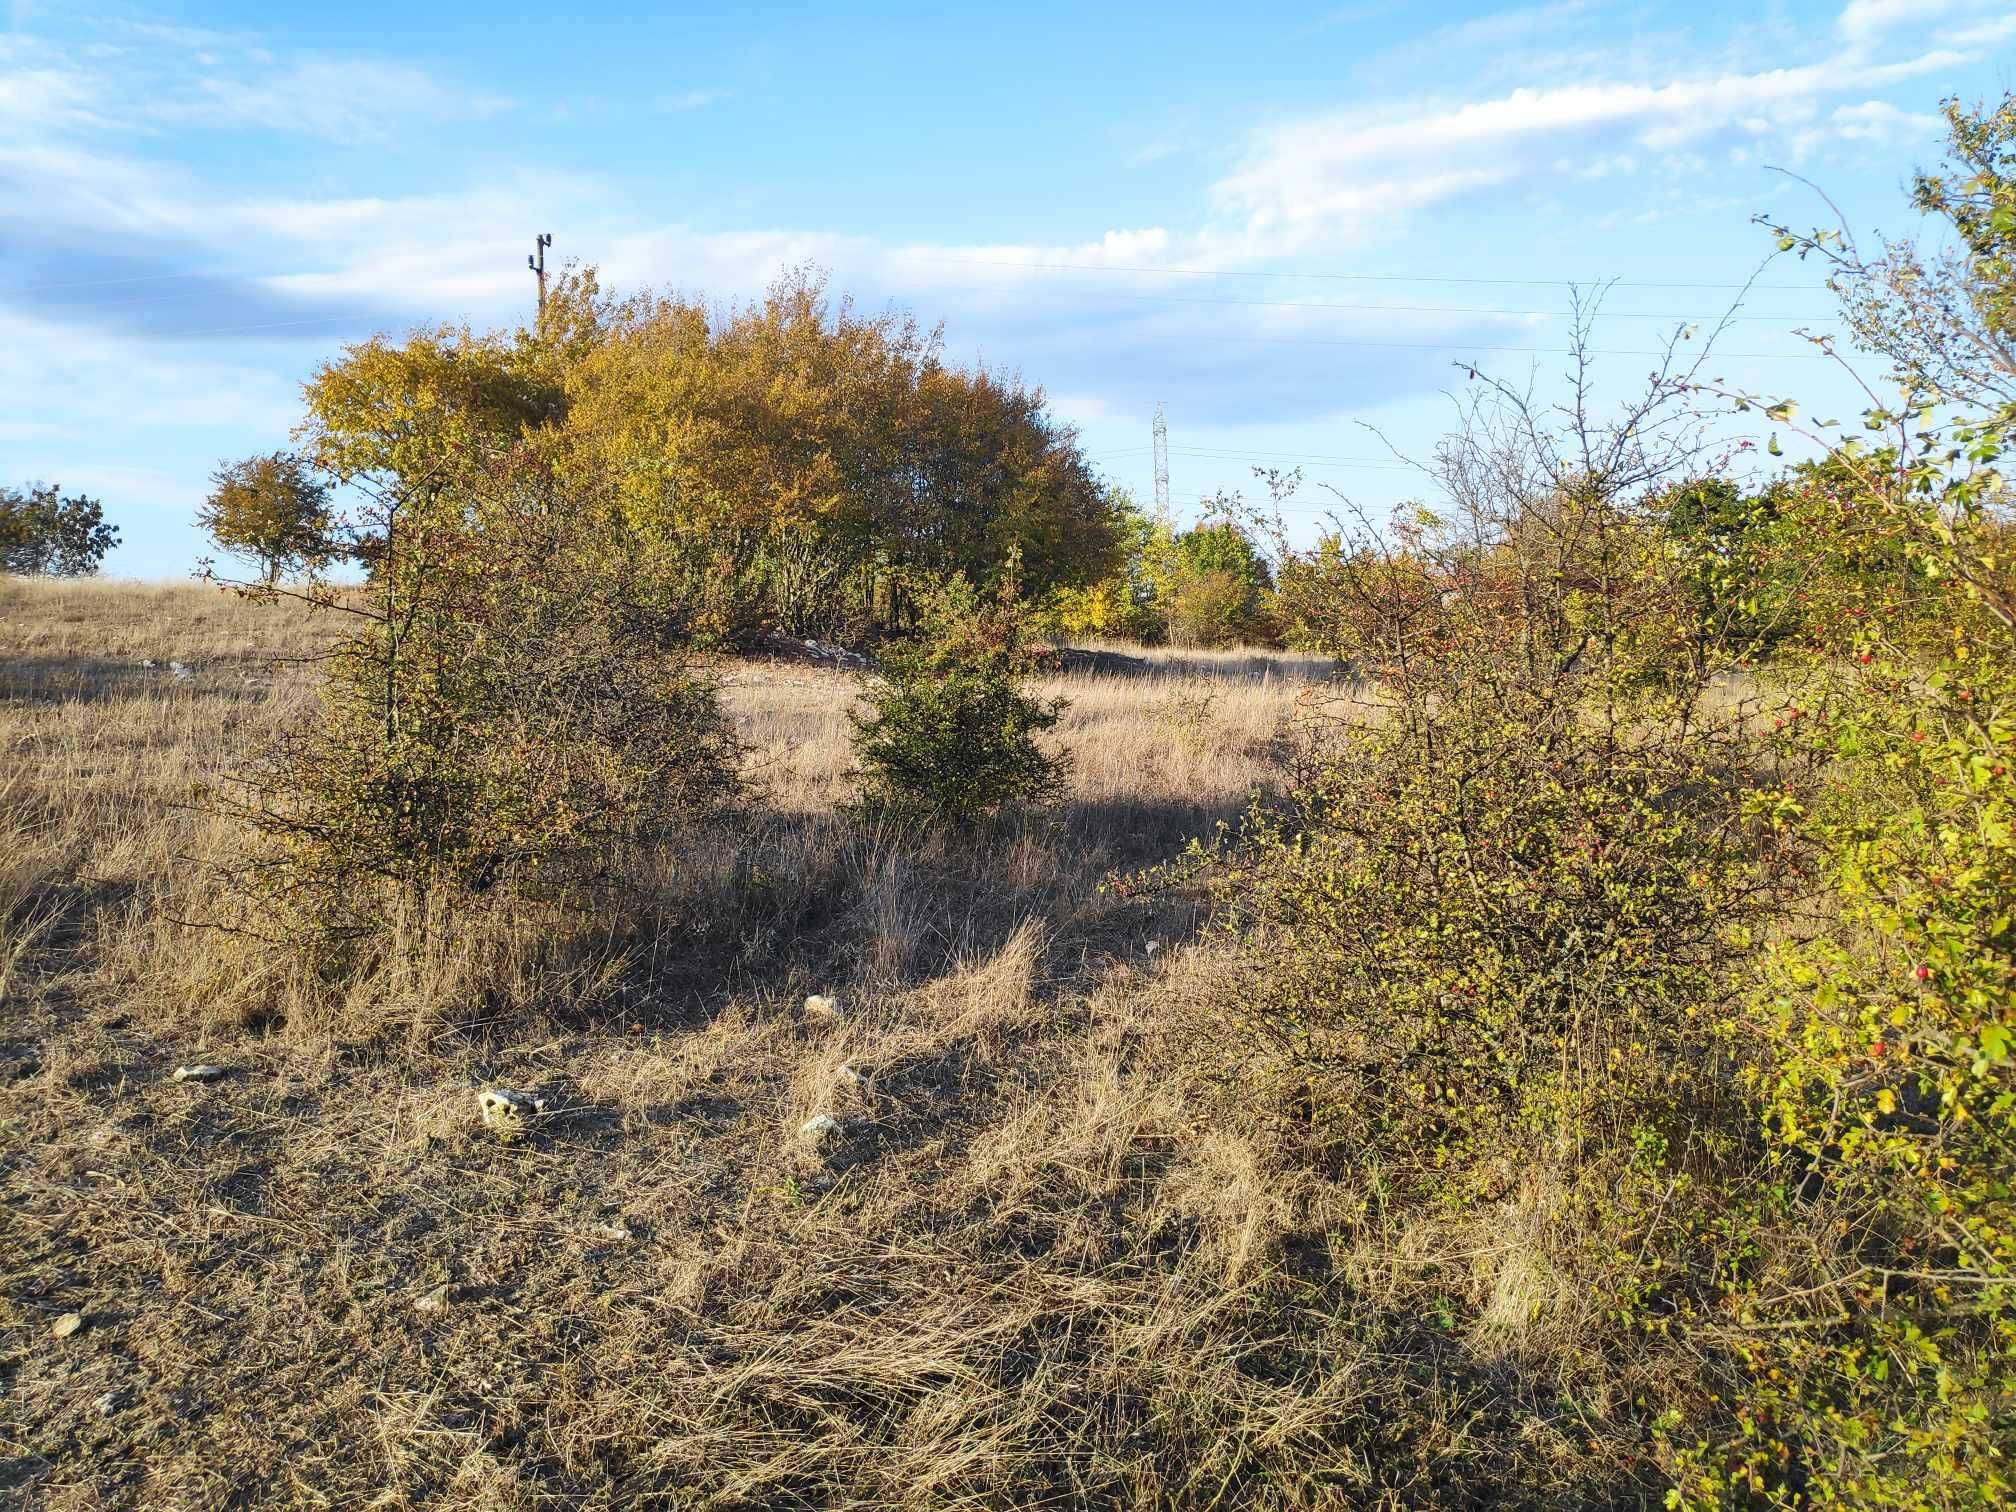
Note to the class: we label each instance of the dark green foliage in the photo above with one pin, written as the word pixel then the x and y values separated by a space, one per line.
pixel 1736 549
pixel 43 534
pixel 951 733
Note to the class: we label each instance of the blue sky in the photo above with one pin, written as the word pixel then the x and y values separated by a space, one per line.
pixel 1285 222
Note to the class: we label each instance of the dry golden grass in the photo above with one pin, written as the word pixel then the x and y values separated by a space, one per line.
pixel 1045 1260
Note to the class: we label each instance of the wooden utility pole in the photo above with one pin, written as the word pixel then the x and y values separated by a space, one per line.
pixel 538 266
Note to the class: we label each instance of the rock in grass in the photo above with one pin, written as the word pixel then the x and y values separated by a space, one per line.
pixel 509 1114
pixel 199 1073
pixel 823 1006
pixel 66 1325
pixel 819 1128
pixel 435 1300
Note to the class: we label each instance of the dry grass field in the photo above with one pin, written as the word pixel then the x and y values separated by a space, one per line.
pixel 1044 1260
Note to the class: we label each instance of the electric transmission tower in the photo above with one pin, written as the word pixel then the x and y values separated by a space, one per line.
pixel 1161 461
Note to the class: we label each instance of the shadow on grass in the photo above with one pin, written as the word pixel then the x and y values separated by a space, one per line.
pixel 776 906
pixel 84 679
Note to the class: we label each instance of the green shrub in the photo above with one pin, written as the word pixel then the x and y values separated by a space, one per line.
pixel 1109 609
pixel 1213 587
pixel 1719 953
pixel 498 719
pixel 1490 947
pixel 1735 545
pixel 1506 898
pixel 951 732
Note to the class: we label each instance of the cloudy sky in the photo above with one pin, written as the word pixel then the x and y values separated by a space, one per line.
pixel 1285 222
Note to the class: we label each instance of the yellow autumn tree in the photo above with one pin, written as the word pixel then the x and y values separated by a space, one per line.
pixel 790 462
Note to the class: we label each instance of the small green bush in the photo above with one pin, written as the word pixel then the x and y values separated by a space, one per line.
pixel 951 732
pixel 1214 587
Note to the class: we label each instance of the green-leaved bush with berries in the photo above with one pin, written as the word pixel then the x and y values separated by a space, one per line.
pixel 1874 1363
pixel 1658 878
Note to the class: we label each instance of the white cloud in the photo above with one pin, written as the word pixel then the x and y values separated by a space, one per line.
pixel 1328 175
pixel 44 96
pixel 132 384
pixel 90 149
pixel 339 99
pixel 137 423
pixel 1331 178
pixel 1864 20
pixel 692 99
pixel 1880 122
pixel 153 77
pixel 1984 34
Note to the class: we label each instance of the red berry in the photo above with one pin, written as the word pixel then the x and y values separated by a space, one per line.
pixel 1924 973
pixel 1876 1047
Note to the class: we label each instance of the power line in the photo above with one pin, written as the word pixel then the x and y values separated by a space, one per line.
pixel 1528 283
pixel 988 262
pixel 103 283
pixel 1324 304
pixel 1275 304
pixel 545 240
pixel 271 325
pixel 125 301
pixel 1352 466
pixel 1227 454
pixel 1233 454
pixel 1455 346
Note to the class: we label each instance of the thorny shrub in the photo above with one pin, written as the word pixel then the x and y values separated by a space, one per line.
pixel 1527 875
pixel 1690 897
pixel 499 718
pixel 1519 876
